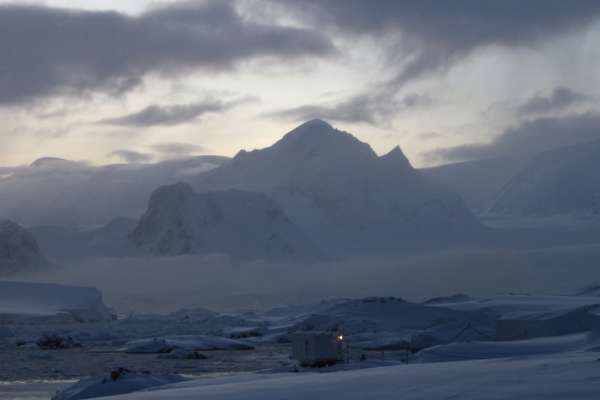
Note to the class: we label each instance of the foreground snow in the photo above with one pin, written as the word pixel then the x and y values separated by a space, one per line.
pixel 567 376
pixel 456 328
pixel 503 349
pixel 117 382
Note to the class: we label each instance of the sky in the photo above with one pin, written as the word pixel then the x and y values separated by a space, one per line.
pixel 142 81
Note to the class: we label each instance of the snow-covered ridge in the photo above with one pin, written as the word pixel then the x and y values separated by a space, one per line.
pixel 557 182
pixel 119 381
pixel 479 181
pixel 238 223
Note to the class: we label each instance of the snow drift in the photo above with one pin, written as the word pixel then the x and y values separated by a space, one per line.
pixel 168 344
pixel 119 381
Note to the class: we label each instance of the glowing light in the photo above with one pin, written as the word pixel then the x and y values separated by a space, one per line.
pixel 340 337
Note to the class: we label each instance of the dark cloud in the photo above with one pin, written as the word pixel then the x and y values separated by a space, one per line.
pixel 429 36
pixel 561 98
pixel 177 150
pixel 48 51
pixel 370 108
pixel 169 115
pixel 434 34
pixel 530 137
pixel 130 156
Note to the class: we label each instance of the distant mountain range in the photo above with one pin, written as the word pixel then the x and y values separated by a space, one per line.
pixel 557 186
pixel 53 191
pixel 478 182
pixel 317 192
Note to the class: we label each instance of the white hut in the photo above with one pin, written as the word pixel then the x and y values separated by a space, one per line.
pixel 313 349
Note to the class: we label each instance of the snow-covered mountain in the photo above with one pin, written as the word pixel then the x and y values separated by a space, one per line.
pixel 479 181
pixel 342 194
pixel 19 251
pixel 59 192
pixel 561 181
pixel 241 224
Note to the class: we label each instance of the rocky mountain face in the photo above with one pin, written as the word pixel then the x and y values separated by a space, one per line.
pixel 19 251
pixel 241 224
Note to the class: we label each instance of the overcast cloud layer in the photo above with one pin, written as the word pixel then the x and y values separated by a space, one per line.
pixel 425 37
pixel 561 98
pixel 49 51
pixel 100 84
pixel 437 33
pixel 530 137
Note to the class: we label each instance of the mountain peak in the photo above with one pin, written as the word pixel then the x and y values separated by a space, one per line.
pixel 317 138
pixel 395 152
pixel 314 128
pixel 316 123
pixel 396 156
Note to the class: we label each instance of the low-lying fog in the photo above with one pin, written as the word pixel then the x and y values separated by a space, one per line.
pixel 168 283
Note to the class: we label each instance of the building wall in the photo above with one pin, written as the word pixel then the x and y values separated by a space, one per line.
pixel 315 348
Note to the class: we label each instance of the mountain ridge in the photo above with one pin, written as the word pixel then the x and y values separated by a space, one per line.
pixel 555 182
